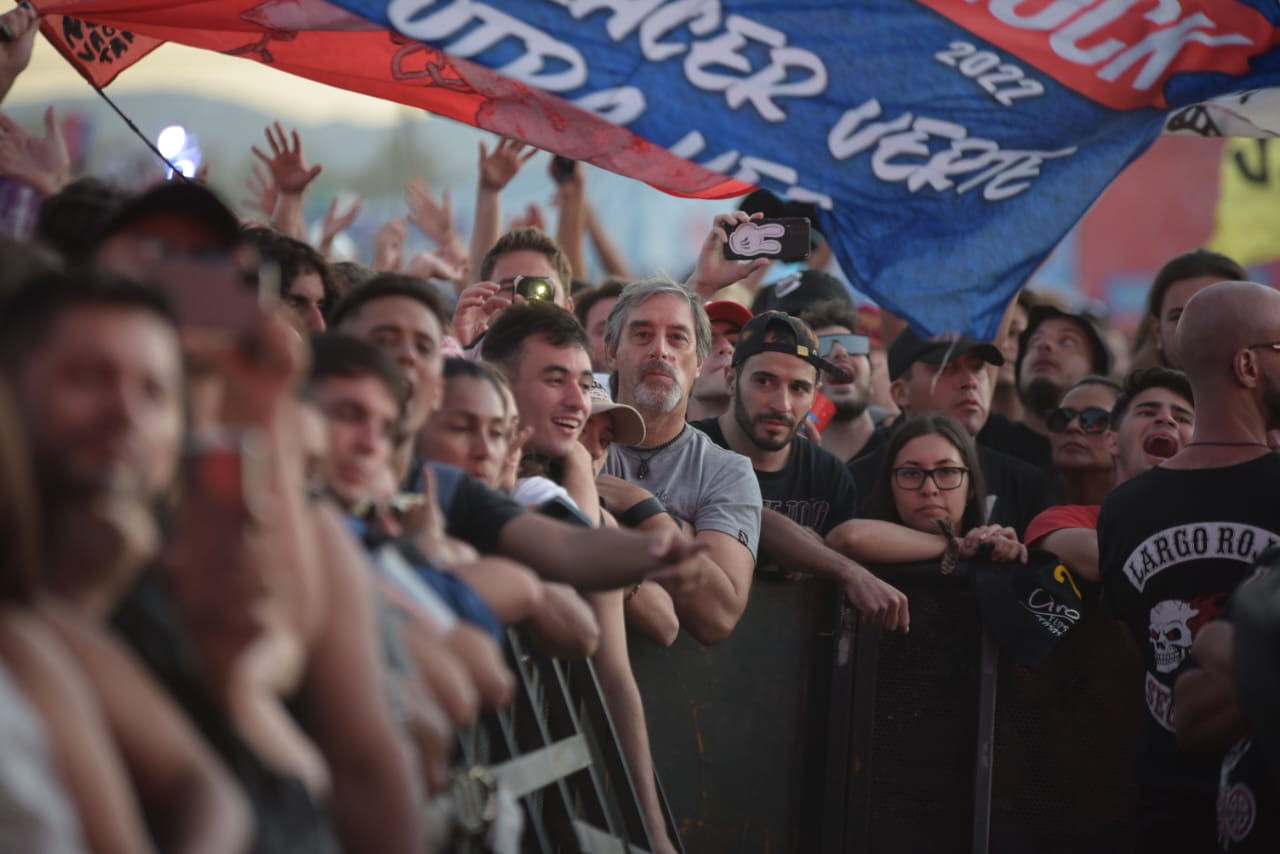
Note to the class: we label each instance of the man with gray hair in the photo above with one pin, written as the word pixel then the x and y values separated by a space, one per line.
pixel 657 338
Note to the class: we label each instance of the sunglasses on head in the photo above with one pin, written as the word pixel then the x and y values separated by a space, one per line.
pixel 854 345
pixel 1093 419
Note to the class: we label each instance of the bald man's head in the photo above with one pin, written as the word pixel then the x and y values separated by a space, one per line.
pixel 1222 320
pixel 1229 343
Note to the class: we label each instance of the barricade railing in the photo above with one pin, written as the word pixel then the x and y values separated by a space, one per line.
pixel 554 749
pixel 808 730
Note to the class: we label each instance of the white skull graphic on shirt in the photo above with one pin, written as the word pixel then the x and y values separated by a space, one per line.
pixel 1170 633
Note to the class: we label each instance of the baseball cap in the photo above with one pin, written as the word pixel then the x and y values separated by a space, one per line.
pixel 909 348
pixel 794 293
pixel 728 311
pixel 178 197
pixel 1027 608
pixel 628 426
pixel 1041 313
pixel 752 340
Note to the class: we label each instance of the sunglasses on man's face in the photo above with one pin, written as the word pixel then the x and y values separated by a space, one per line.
pixel 854 345
pixel 1093 419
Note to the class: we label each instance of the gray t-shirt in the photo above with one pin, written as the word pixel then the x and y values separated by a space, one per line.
pixel 699 481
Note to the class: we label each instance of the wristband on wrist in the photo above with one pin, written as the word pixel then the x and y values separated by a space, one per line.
pixel 640 512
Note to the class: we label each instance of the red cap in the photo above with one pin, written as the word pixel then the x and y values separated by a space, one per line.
pixel 729 311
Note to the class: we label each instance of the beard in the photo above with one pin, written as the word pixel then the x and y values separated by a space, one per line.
pixel 657 398
pixel 1040 395
pixel 748 425
pixel 851 407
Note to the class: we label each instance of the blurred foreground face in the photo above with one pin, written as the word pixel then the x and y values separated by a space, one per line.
pixel 103 399
pixel 363 420
pixel 136 248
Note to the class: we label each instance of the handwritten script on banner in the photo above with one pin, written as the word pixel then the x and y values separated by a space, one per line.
pixel 948 143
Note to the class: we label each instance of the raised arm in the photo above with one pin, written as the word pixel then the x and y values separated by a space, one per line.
pixel 571 223
pixel 713 271
pixel 39 161
pixel 291 176
pixel 606 249
pixel 19 26
pixel 496 171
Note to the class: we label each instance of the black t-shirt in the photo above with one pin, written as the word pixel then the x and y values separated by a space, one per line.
pixel 473 512
pixel 1019 491
pixel 1017 440
pixel 1172 545
pixel 813 489
pixel 286 818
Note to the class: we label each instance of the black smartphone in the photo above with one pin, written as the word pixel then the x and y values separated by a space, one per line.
pixel 786 239
pixel 562 168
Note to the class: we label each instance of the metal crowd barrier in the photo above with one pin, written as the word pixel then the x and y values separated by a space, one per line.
pixel 555 750
pixel 807 731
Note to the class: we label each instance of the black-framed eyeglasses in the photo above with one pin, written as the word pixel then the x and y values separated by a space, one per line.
pixel 944 477
pixel 533 288
pixel 1093 419
pixel 854 345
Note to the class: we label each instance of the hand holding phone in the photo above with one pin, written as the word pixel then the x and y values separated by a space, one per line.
pixel 785 239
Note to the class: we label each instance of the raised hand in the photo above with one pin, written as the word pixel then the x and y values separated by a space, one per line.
pixel 388 246
pixel 714 271
pixel 41 161
pixel 289 171
pixel 433 218
pixel 18 29
pixel 476 304
pixel 497 169
pixel 428 265
pixel 262 192
pixel 337 221
pixel 531 218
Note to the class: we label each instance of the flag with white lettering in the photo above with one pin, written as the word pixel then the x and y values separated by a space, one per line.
pixel 948 143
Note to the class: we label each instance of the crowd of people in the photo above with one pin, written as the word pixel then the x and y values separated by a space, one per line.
pixel 270 515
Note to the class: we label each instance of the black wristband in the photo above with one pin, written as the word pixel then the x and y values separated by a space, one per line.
pixel 636 514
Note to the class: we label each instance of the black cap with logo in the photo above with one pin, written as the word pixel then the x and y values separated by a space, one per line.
pixel 754 337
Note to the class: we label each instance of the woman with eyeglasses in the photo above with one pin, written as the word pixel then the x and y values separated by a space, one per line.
pixel 929 502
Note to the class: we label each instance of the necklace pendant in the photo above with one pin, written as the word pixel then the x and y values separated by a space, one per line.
pixel 644 469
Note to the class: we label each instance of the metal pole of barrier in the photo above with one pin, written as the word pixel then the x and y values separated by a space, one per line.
pixel 986 745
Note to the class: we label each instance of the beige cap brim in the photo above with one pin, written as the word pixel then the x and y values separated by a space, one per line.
pixel 628 426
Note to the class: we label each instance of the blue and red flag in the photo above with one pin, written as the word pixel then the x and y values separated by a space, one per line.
pixel 948 143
